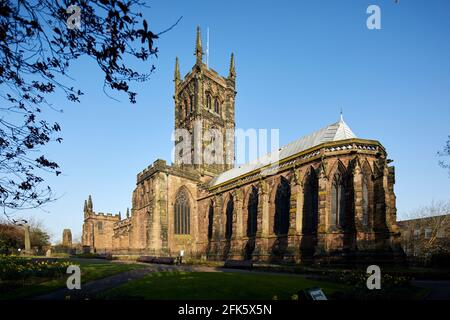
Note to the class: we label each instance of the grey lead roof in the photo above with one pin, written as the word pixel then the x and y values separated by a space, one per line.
pixel 334 132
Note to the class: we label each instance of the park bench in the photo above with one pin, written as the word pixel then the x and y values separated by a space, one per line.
pixel 238 264
pixel 164 260
pixel 156 260
pixel 146 259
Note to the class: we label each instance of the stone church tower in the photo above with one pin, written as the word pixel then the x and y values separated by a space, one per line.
pixel 204 107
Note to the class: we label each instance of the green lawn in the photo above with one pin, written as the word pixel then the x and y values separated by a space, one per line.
pixel 216 285
pixel 173 285
pixel 90 270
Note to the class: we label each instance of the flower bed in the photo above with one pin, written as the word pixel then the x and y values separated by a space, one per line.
pixel 17 268
pixel 392 286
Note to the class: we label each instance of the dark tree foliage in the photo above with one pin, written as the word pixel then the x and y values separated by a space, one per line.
pixel 39 39
pixel 445 153
pixel 12 237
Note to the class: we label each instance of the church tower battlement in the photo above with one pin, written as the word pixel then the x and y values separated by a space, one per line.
pixel 204 100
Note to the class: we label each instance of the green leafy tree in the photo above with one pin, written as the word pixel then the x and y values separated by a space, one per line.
pixel 12 236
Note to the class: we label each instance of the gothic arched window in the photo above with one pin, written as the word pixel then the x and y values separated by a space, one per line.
pixel 338 192
pixel 210 220
pixel 186 107
pixel 365 202
pixel 182 213
pixel 282 207
pixel 208 101
pixel 216 105
pixel 229 219
pixel 252 211
pixel 191 105
pixel 310 203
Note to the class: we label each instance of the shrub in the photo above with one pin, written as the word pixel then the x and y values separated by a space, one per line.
pixel 106 256
pixel 356 280
pixel 440 260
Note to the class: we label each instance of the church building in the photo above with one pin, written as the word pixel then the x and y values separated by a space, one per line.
pixel 330 195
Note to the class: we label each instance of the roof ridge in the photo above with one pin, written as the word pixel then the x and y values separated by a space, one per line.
pixel 333 132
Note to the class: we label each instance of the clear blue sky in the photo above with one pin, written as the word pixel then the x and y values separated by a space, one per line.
pixel 298 63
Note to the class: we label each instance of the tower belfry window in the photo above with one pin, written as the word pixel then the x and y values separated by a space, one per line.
pixel 208 101
pixel 216 105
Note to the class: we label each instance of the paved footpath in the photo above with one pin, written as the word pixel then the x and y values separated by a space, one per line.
pixel 439 290
pixel 91 289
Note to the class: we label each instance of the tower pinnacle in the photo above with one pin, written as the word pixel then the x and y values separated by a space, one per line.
pixel 198 47
pixel 89 203
pixel 177 76
pixel 232 74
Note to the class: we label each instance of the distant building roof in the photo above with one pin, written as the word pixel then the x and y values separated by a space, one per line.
pixel 334 132
pixel 421 219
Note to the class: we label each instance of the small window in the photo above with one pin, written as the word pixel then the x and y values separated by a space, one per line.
pixel 428 233
pixel 417 233
pixel 440 233
pixel 100 226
